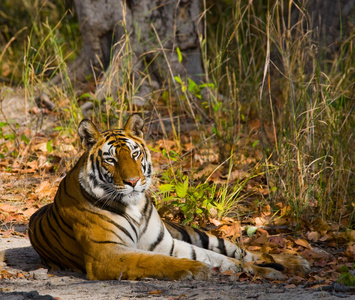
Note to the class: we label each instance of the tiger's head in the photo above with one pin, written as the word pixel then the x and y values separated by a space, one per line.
pixel 118 166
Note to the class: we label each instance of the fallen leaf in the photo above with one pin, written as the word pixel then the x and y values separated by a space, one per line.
pixel 321 226
pixel 290 286
pixel 351 235
pixel 313 236
pixel 350 251
pixel 227 273
pixel 231 230
pixel 7 208
pixel 278 240
pixel 259 221
pixel 44 189
pixel 29 211
pixel 156 292
pixel 262 239
pixel 303 243
pixel 215 222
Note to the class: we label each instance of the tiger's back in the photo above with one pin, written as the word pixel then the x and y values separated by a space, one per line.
pixel 102 223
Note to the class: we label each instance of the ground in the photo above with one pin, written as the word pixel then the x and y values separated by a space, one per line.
pixel 33 281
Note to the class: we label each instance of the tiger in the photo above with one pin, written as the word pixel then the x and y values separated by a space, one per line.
pixel 103 223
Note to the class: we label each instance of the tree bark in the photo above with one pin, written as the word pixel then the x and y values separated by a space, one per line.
pixel 151 31
pixel 330 21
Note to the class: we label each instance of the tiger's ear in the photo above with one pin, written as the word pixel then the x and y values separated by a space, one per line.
pixel 88 134
pixel 134 126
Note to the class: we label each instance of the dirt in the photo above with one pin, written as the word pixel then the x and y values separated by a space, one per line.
pixel 36 282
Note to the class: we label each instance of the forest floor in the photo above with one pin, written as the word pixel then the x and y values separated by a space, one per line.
pixel 33 281
pixel 34 161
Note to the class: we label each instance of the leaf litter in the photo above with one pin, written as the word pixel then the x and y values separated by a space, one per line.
pixel 31 169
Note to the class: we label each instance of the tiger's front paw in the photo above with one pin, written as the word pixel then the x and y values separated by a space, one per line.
pixel 190 269
pixel 264 272
pixel 251 268
pixel 293 264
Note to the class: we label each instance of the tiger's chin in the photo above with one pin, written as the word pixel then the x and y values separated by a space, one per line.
pixel 133 198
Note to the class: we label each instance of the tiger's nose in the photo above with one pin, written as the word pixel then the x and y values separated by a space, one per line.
pixel 132 182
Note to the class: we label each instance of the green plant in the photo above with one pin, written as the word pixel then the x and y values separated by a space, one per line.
pixel 346 277
pixel 193 201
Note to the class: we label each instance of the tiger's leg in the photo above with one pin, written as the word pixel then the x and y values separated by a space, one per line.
pixel 106 257
pixel 129 264
pixel 219 245
pixel 181 249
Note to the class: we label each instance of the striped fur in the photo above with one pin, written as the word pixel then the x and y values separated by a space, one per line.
pixel 102 223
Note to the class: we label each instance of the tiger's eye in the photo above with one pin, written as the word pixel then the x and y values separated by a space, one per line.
pixel 110 161
pixel 135 154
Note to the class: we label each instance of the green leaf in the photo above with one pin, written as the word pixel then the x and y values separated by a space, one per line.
pixel 199 211
pixel 192 85
pixel 255 143
pixel 179 54
pixel 177 79
pixel 3 124
pixel 10 136
pixel 25 138
pixel 166 187
pixel 219 206
pixel 211 85
pixel 181 188
pixel 49 146
pixel 169 198
pixel 251 230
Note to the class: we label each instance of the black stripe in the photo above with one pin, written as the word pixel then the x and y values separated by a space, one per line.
pixel 56 208
pixel 159 239
pixel 204 238
pixel 233 254
pixel 38 246
pixel 98 169
pixel 221 246
pixel 53 231
pixel 55 216
pixel 38 232
pixel 172 248
pixel 193 254
pixel 106 242
pixel 185 235
pixel 105 218
pixel 148 218
pixel 54 249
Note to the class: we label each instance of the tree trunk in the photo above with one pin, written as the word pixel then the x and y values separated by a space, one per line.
pixel 141 37
pixel 330 21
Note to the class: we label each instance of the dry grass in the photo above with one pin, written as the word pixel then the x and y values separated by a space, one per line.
pixel 275 88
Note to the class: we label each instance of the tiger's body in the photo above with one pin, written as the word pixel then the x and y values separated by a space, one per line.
pixel 102 223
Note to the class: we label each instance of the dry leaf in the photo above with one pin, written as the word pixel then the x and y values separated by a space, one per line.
pixel 29 211
pixel 156 292
pixel 313 236
pixel 290 286
pixel 262 239
pixel 350 251
pixel 41 147
pixel 7 208
pixel 278 240
pixel 321 226
pixel 259 221
pixel 228 273
pixel 351 235
pixel 303 243
pixel 44 189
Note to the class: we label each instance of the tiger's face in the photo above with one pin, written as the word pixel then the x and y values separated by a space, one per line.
pixel 118 166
